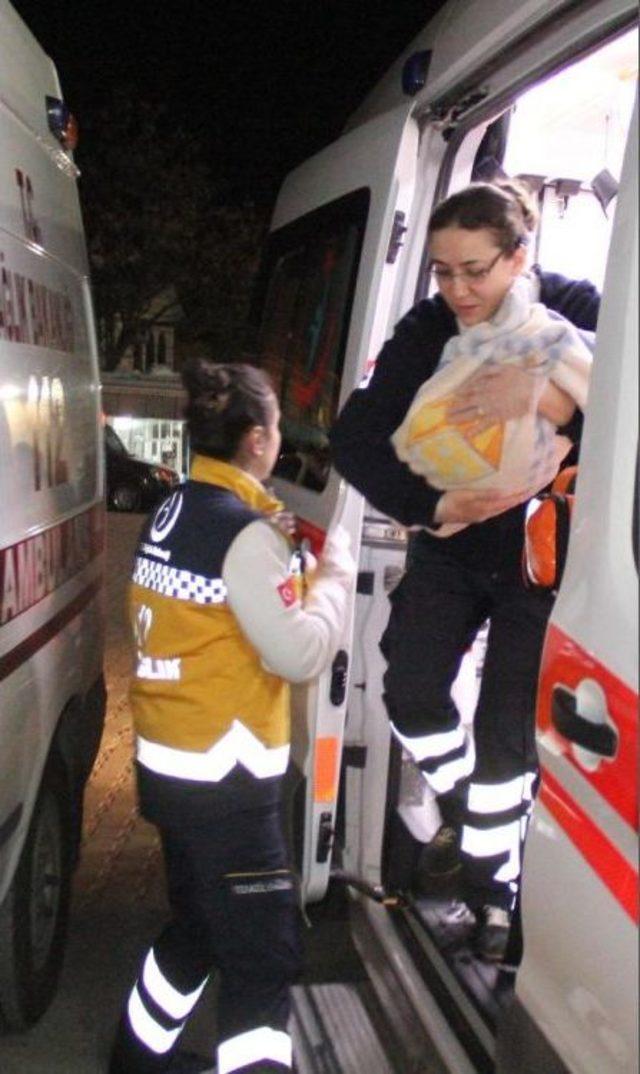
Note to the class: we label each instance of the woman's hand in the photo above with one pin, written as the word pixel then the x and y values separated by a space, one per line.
pixel 468 506
pixel 285 521
pixel 497 393
pixel 335 559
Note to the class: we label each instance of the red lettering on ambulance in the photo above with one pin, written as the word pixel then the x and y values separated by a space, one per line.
pixel 9 600
pixel 32 569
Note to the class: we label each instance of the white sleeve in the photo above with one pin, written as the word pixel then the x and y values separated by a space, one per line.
pixel 294 640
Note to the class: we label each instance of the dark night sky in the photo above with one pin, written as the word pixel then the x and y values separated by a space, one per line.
pixel 264 85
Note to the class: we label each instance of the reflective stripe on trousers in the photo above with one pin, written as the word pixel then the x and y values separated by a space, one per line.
pixel 157 1013
pixel 501 812
pixel 258 1045
pixel 156 1010
pixel 445 758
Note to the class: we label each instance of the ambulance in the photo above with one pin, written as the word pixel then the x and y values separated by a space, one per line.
pixel 545 90
pixel 52 693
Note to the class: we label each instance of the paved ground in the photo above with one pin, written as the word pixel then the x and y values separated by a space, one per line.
pixel 118 901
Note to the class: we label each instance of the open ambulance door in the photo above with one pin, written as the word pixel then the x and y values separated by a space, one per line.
pixel 322 308
pixel 576 1003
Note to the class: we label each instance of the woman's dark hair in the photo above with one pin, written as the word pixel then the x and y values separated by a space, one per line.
pixel 224 402
pixel 506 207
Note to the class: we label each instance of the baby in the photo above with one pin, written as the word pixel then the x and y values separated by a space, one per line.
pixel 508 455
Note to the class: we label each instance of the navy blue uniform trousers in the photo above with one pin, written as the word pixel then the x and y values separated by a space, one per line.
pixel 235 908
pixel 436 611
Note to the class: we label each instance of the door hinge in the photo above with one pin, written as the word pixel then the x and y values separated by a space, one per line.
pixel 396 242
pixel 445 116
pixel 325 838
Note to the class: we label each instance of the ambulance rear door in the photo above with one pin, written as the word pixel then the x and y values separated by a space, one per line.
pixel 323 304
pixel 577 988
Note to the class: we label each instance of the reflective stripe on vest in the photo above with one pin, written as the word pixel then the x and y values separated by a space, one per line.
pixel 238 745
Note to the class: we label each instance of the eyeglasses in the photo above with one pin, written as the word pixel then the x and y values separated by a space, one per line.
pixel 469 275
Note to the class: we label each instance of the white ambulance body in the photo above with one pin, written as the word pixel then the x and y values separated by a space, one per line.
pixel 578 978
pixel 52 696
pixel 543 89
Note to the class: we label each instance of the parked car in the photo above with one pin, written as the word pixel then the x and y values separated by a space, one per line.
pixel 133 484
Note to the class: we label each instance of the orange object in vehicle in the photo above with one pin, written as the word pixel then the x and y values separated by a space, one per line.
pixel 565 482
pixel 547 533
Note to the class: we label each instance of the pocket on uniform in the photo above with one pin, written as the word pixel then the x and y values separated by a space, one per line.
pixel 263 916
pixel 268 882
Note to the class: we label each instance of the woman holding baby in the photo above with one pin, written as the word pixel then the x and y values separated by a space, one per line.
pixel 472 406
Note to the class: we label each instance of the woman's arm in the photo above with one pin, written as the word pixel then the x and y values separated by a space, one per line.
pixel 360 438
pixel 295 639
pixel 470 506
pixel 555 405
pixel 577 300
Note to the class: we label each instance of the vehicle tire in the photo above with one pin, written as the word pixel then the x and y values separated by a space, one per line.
pixel 33 917
pixel 125 498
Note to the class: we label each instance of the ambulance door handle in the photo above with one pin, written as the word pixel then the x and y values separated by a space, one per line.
pixel 598 738
pixel 338 685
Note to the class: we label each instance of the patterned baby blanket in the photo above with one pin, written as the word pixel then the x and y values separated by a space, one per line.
pixel 509 455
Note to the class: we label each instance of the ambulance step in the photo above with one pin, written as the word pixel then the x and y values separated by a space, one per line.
pixel 333 1033
pixel 471 994
pixel 488 987
pixel 341 1029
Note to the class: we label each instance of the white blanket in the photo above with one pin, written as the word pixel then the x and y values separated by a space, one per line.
pixel 511 454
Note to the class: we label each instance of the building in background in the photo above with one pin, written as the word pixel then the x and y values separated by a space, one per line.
pixel 143 399
pixel 146 413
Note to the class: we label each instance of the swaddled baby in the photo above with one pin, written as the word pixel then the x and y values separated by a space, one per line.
pixel 509 455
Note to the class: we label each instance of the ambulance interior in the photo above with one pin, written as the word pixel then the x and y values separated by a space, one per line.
pixel 566 135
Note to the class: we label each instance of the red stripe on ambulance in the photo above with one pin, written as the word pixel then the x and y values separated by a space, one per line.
pixel 605 859
pixel 49 630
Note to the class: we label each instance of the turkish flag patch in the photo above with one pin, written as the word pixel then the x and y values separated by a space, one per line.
pixel 287 591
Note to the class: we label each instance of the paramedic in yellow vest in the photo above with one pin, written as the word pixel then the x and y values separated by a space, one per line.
pixel 224 617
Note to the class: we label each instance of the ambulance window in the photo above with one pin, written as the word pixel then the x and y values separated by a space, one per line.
pixel 570 132
pixel 301 315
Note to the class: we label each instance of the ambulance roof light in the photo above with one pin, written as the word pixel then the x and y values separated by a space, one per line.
pixel 62 124
pixel 414 72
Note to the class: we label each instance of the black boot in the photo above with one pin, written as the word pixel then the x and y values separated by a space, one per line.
pixel 439 865
pixel 492 936
pixel 438 859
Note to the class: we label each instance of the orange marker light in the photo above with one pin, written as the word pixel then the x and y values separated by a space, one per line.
pixel 326 770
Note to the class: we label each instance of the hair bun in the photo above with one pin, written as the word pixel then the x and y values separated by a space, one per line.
pixel 207 383
pixel 223 401
pixel 524 197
